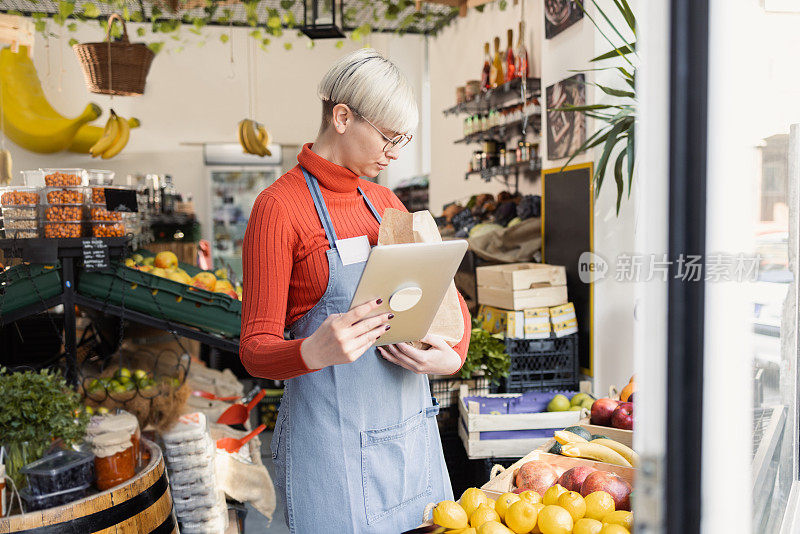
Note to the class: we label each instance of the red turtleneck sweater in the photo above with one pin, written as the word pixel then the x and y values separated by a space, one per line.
pixel 285 266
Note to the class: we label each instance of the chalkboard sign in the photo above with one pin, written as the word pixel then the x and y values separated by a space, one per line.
pixel 567 214
pixel 95 254
pixel 121 200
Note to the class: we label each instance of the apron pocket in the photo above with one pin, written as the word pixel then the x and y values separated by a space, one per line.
pixel 395 466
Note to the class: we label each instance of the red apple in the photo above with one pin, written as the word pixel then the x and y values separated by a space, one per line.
pixel 622 417
pixel 572 479
pixel 602 410
pixel 537 476
pixel 612 484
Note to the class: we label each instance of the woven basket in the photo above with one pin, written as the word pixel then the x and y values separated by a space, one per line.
pixel 115 67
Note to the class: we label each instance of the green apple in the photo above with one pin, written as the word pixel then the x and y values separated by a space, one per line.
pixel 559 403
pixel 578 398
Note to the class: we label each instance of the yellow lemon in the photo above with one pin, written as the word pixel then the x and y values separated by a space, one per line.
pixel 554 520
pixel 598 505
pixel 521 517
pixel 539 506
pixel 471 499
pixel 620 517
pixel 468 530
pixel 493 527
pixel 551 496
pixel 587 526
pixel 449 514
pixel 503 502
pixel 609 528
pixel 530 496
pixel 482 514
pixel 573 503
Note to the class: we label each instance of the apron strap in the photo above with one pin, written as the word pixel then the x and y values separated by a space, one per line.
pixel 322 208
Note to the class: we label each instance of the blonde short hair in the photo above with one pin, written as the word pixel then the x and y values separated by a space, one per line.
pixel 373 87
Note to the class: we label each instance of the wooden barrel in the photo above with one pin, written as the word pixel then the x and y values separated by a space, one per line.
pixel 143 504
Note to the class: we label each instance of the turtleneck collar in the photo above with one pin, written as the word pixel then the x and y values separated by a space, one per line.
pixel 330 175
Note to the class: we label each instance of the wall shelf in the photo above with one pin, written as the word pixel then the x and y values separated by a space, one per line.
pixel 500 96
pixel 534 165
pixel 505 131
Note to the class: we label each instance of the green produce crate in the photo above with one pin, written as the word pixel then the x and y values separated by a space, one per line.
pixel 24 285
pixel 163 299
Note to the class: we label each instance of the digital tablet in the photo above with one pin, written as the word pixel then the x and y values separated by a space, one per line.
pixel 412 279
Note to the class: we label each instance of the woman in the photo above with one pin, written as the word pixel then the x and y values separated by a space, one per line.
pixel 356 446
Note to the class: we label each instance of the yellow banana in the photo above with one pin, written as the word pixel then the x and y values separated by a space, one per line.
pixel 251 140
pixel 240 134
pixel 594 451
pixel 625 451
pixel 264 138
pixel 110 133
pixel 5 167
pixel 120 141
pixel 88 135
pixel 28 119
pixel 564 437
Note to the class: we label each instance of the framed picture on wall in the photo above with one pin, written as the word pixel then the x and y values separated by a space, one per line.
pixel 560 15
pixel 566 130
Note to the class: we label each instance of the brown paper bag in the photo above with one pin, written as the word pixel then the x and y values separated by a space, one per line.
pixel 403 227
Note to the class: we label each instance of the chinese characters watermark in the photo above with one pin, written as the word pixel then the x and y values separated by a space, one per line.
pixel 716 267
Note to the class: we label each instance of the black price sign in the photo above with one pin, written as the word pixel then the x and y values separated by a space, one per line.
pixel 121 200
pixel 95 254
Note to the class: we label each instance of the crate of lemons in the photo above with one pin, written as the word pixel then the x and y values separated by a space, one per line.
pixel 558 511
pixel 165 265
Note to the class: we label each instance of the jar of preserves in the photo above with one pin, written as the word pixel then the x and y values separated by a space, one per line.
pixel 115 441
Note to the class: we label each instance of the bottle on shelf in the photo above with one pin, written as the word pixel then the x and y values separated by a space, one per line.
pixel 496 71
pixel 511 67
pixel 486 80
pixel 521 65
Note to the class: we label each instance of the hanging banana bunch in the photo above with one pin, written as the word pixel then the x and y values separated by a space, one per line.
pixel 5 167
pixel 115 137
pixel 254 138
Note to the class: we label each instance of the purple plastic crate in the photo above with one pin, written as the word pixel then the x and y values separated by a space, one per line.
pixel 530 402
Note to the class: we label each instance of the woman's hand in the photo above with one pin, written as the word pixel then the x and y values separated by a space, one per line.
pixel 344 337
pixel 439 359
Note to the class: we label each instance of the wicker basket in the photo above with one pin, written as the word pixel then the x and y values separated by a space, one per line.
pixel 115 67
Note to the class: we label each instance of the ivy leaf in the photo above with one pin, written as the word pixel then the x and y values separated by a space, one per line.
pixel 310 44
pixel 502 4
pixel 255 34
pixel 274 22
pixel 73 42
pixel 40 26
pixel 224 38
pixel 287 45
pixel 92 11
pixel 287 4
pixel 339 44
pixel 156 47
pixel 72 26
pixel 140 32
pixel 289 20
pixel 137 16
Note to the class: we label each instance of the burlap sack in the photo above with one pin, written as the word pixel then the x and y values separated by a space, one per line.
pixel 243 481
pixel 403 227
pixel 518 244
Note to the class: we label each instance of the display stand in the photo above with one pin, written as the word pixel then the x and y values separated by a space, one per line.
pixel 69 252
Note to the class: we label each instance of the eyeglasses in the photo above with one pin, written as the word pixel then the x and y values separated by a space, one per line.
pixel 395 143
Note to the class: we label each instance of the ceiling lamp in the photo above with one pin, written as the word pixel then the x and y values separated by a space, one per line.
pixel 320 19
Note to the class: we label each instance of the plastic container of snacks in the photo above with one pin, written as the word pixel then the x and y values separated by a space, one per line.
pixel 100 177
pixel 40 502
pixel 63 228
pixel 107 229
pixel 19 196
pixel 64 177
pixel 19 211
pixel 21 234
pixel 65 195
pixel 98 212
pixel 63 212
pixel 33 178
pixel 61 471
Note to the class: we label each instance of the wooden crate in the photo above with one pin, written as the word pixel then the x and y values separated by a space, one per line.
pixel 623 436
pixel 518 286
pixel 503 479
pixel 472 423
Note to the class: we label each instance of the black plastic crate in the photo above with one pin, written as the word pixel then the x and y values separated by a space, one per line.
pixel 446 389
pixel 542 364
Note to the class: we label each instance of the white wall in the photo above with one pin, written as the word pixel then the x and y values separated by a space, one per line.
pixel 456 55
pixel 197 95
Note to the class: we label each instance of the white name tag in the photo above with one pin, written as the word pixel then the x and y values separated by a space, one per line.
pixel 353 250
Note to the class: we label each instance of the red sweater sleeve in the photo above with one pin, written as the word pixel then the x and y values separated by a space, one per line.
pixel 462 346
pixel 267 258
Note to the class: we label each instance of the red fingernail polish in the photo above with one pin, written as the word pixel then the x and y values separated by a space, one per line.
pixel 391 316
pixel 379 301
pixel 388 326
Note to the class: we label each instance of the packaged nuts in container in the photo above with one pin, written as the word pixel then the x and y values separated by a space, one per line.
pixel 64 212
pixel 107 229
pixel 63 229
pixel 21 234
pixel 19 212
pixel 19 196
pixel 65 195
pixel 21 224
pixel 64 177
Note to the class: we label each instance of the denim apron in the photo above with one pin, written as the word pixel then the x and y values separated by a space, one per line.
pixel 356 447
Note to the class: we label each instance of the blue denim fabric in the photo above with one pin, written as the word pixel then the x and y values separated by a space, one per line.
pixel 356 447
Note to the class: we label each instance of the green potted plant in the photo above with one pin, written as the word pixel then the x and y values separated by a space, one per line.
pixel 486 356
pixel 38 408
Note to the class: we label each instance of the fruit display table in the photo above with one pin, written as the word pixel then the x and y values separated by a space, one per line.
pixel 69 254
pixel 142 504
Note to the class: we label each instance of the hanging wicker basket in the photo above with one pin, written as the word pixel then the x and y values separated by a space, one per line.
pixel 115 67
